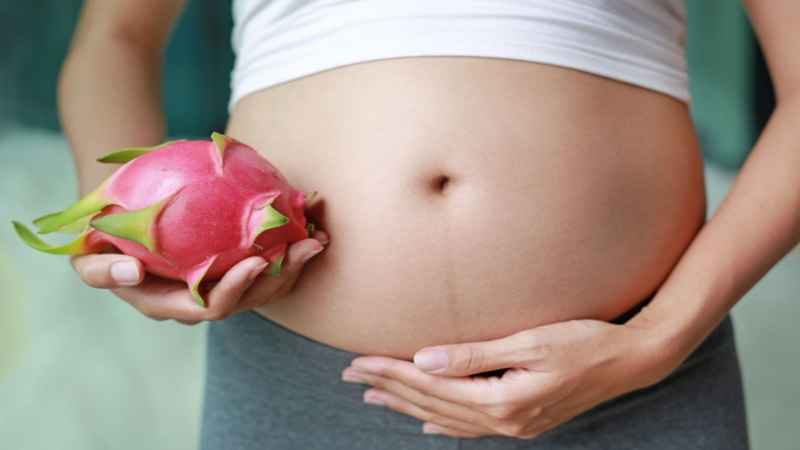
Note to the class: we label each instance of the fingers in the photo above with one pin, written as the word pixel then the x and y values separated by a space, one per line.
pixel 432 428
pixel 164 299
pixel 471 391
pixel 422 406
pixel 396 403
pixel 478 357
pixel 227 293
pixel 321 236
pixel 520 421
pixel 297 255
pixel 268 288
pixel 161 299
pixel 108 270
pixel 240 288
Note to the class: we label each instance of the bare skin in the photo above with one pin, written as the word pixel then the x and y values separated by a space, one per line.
pixel 460 214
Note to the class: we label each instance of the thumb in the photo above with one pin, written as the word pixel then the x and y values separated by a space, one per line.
pixel 107 271
pixel 473 357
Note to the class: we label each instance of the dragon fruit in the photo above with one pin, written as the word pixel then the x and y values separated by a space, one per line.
pixel 188 209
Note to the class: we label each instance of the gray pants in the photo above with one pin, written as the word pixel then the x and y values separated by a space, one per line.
pixel 269 388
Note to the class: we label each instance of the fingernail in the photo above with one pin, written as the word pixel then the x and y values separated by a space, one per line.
pixel 311 254
pixel 373 398
pixel 324 240
pixel 125 273
pixel 257 270
pixel 429 428
pixel 431 359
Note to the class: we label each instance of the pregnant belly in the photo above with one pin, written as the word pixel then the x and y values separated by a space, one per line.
pixel 470 198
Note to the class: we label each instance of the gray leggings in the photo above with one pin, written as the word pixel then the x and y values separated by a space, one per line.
pixel 269 388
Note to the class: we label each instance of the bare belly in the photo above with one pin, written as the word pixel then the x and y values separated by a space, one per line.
pixel 471 198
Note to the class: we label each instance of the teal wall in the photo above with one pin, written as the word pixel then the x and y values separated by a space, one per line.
pixel 35 37
pixel 730 89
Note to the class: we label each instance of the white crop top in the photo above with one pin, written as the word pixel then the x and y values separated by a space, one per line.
pixel 637 41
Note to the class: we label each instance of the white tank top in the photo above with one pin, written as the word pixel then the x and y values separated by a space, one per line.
pixel 637 41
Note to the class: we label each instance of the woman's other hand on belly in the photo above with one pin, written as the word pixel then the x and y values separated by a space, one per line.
pixel 554 373
pixel 241 288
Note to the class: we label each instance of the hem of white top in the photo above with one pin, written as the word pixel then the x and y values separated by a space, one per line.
pixel 566 55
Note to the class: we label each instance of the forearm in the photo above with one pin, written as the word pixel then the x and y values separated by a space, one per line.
pixel 109 97
pixel 757 224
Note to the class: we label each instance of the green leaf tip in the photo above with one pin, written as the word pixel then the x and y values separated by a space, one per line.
pixel 220 141
pixel 45 217
pixel 137 226
pixel 310 228
pixel 276 266
pixel 125 155
pixel 76 247
pixel 77 227
pixel 272 219
pixel 195 277
pixel 88 205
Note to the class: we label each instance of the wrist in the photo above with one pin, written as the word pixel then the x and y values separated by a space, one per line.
pixel 659 348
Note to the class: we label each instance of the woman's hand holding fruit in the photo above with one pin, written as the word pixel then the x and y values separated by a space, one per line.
pixel 245 286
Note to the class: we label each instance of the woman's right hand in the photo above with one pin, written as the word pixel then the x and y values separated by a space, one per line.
pixel 240 289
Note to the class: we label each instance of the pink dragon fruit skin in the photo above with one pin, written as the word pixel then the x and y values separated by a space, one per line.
pixel 189 210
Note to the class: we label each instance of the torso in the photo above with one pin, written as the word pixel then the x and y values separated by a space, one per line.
pixel 568 196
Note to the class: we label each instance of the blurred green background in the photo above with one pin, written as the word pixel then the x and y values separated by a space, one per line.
pixel 81 370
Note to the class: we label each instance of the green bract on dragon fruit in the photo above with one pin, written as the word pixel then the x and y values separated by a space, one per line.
pixel 188 209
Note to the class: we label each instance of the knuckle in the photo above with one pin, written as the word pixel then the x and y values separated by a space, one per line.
pixel 468 358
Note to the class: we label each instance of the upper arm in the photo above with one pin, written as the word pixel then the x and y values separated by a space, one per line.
pixel 144 23
pixel 776 24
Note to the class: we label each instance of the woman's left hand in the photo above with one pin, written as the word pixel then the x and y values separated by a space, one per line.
pixel 555 372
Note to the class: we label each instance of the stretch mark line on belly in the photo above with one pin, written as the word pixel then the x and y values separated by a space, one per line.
pixel 450 298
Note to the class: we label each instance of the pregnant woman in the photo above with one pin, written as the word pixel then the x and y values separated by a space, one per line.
pixel 516 253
